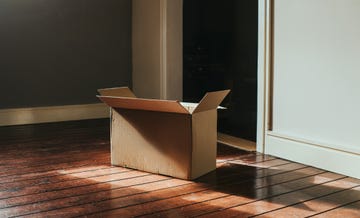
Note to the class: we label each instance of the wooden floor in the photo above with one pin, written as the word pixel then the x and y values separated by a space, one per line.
pixel 236 142
pixel 63 170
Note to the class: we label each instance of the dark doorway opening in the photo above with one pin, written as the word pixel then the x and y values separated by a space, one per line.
pixel 220 52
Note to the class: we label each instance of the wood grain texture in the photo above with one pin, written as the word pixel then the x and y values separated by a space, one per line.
pixel 63 170
pixel 236 142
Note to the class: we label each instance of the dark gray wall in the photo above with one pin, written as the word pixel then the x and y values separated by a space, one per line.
pixel 58 52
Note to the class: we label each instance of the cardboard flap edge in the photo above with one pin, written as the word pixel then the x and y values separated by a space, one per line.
pixel 211 100
pixel 144 104
pixel 117 91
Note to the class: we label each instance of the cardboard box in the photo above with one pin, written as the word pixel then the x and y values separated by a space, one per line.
pixel 161 136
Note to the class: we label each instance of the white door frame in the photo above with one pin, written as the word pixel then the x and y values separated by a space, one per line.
pixel 264 72
pixel 269 142
pixel 300 150
pixel 170 65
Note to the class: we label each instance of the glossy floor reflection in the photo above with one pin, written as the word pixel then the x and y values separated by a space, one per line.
pixel 63 170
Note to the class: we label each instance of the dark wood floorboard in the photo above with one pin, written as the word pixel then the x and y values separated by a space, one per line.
pixel 63 170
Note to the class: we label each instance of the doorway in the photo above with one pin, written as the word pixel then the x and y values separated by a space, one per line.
pixel 220 40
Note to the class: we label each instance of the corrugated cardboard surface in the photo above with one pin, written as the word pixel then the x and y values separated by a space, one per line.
pixel 144 104
pixel 122 97
pixel 118 91
pixel 162 136
pixel 152 141
pixel 204 137
pixel 211 100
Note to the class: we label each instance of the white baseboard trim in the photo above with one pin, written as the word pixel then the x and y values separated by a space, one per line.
pixel 339 147
pixel 20 116
pixel 318 156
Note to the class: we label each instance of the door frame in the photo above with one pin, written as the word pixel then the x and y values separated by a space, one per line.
pixel 171 59
pixel 265 72
pixel 301 150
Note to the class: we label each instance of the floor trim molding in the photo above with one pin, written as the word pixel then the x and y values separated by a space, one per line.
pixel 317 156
pixel 20 116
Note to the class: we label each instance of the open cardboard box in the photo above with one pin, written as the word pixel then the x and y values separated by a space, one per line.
pixel 162 136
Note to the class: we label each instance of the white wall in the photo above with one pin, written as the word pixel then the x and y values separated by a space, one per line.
pixel 146 48
pixel 157 48
pixel 174 50
pixel 316 83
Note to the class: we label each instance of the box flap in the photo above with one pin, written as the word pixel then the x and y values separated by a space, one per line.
pixel 211 100
pixel 118 91
pixel 144 104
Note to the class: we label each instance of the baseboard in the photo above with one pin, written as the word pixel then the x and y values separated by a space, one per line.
pixel 323 157
pixel 236 142
pixel 20 116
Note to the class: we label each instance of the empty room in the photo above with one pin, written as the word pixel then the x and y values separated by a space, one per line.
pixel 179 108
